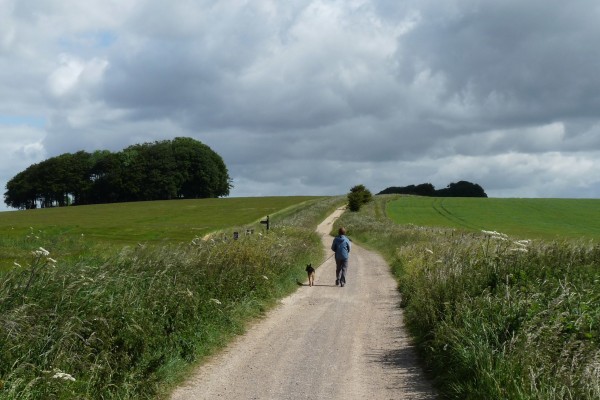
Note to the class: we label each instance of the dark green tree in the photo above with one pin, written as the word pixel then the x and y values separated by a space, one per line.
pixel 20 192
pixel 163 170
pixel 106 178
pixel 358 196
pixel 461 189
pixel 424 189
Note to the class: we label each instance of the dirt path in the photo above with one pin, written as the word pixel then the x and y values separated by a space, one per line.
pixel 322 342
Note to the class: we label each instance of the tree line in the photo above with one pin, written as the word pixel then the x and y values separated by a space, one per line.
pixel 162 170
pixel 457 189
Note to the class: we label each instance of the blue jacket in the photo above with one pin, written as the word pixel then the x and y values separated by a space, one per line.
pixel 341 246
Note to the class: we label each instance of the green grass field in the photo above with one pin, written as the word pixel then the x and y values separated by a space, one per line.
pixel 146 221
pixel 524 218
pixel 122 224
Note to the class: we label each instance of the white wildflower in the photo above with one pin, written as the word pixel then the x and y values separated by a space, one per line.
pixel 64 376
pixel 189 292
pixel 495 235
pixel 216 301
pixel 429 251
pixel 17 264
pixel 265 277
pixel 523 243
pixel 41 252
pixel 521 249
pixel 52 260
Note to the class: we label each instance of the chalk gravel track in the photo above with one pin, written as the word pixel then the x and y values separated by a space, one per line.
pixel 322 342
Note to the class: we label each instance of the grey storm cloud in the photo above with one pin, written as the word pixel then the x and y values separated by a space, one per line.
pixel 312 97
pixel 511 62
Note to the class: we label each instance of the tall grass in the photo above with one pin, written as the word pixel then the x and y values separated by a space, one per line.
pixel 128 325
pixel 495 318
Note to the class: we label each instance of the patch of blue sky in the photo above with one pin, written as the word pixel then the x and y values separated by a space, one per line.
pixel 88 40
pixel 105 38
pixel 28 120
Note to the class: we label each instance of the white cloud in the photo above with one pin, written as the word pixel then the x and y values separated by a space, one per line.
pixel 72 74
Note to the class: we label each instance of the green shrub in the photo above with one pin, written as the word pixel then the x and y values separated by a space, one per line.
pixel 358 196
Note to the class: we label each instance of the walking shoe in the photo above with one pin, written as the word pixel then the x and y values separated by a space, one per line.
pixel 337 282
pixel 342 285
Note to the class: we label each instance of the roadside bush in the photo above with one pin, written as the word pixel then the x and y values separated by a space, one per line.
pixel 359 195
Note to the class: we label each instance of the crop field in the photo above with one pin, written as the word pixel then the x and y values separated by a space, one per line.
pixel 66 229
pixel 523 218
pixel 146 221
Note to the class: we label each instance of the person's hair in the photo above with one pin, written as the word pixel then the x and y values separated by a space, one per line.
pixel 342 231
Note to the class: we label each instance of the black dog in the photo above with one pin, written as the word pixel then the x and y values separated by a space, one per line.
pixel 311 274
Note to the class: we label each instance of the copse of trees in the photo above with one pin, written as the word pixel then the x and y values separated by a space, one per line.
pixel 163 170
pixel 455 189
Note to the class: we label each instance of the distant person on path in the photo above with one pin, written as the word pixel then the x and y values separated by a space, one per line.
pixel 341 246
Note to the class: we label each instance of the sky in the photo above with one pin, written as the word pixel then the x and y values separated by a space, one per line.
pixel 314 97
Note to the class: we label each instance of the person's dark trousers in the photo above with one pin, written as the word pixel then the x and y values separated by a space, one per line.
pixel 341 266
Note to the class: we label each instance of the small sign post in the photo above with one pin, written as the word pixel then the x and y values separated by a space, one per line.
pixel 266 222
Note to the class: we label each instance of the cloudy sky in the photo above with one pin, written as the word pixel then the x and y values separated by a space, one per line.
pixel 314 97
